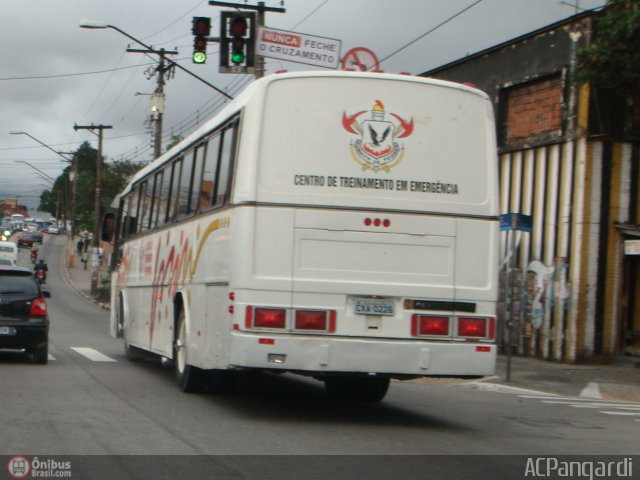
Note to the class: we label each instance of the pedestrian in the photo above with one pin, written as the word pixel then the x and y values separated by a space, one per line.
pixel 85 258
pixel 79 246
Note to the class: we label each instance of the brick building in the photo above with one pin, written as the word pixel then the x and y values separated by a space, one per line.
pixel 568 156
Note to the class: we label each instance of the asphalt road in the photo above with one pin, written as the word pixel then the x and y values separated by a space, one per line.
pixel 89 400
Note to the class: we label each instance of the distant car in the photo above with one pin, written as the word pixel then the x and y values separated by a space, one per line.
pixel 9 251
pixel 43 229
pixel 53 230
pixel 24 319
pixel 37 237
pixel 25 240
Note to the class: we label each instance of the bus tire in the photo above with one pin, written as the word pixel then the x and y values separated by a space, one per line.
pixel 359 389
pixel 190 379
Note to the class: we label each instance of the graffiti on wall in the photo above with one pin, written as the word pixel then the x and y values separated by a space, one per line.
pixel 546 287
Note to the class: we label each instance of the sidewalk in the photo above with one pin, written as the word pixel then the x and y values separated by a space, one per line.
pixel 80 279
pixel 617 381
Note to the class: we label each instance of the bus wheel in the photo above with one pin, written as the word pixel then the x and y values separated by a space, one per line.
pixel 190 379
pixel 359 389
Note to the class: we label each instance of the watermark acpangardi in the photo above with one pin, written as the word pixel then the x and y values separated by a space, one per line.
pixel 552 467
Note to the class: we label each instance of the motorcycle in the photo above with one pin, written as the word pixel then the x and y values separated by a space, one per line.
pixel 41 276
pixel 34 257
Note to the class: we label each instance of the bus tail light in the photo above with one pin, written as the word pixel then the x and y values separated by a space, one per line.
pixel 473 327
pixel 430 325
pixel 269 318
pixel 320 320
pixel 38 307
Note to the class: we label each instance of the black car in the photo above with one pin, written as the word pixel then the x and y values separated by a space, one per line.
pixel 24 320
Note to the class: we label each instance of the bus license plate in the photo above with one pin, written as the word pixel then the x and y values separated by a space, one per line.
pixel 5 331
pixel 366 306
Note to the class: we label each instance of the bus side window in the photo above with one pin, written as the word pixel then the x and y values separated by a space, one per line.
pixel 207 187
pixel 164 204
pixel 174 200
pixel 130 226
pixel 194 203
pixel 226 166
pixel 185 183
pixel 144 206
pixel 157 202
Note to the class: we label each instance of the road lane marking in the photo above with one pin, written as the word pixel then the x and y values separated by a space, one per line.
pixel 572 399
pixel 632 406
pixel 51 358
pixel 621 413
pixel 93 355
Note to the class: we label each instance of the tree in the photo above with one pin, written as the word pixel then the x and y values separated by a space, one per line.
pixel 175 139
pixel 115 176
pixel 613 58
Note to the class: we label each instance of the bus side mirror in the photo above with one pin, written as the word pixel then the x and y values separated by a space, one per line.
pixel 108 227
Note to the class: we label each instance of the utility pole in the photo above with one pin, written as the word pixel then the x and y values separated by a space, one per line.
pixel 98 199
pixel 70 210
pixel 157 101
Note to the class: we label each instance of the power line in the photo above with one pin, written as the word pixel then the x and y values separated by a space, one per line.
pixel 63 75
pixel 431 30
pixel 310 14
pixel 175 21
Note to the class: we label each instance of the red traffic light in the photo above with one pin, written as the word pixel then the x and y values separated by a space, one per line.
pixel 201 26
pixel 238 27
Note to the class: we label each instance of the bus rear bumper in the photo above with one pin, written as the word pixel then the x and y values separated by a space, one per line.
pixel 349 355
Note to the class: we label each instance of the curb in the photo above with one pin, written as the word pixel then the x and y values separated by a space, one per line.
pixel 102 305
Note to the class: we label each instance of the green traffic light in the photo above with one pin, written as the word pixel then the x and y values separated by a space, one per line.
pixel 199 57
pixel 237 57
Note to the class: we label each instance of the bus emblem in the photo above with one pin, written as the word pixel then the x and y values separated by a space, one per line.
pixel 377 147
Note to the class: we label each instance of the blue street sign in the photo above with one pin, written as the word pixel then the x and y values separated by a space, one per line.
pixel 516 221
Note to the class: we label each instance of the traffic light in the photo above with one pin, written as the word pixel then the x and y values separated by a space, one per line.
pixel 237 42
pixel 238 31
pixel 201 28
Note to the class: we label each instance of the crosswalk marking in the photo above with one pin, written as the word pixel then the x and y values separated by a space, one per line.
pixel 617 407
pixel 93 355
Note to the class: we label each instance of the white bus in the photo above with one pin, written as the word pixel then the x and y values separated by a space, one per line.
pixel 18 221
pixel 338 225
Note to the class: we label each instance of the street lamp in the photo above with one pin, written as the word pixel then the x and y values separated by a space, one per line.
pixel 15 132
pixel 72 176
pixel 41 174
pixel 97 25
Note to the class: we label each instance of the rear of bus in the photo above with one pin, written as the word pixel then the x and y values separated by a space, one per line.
pixel 373 217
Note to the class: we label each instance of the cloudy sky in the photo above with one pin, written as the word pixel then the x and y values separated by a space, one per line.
pixel 54 74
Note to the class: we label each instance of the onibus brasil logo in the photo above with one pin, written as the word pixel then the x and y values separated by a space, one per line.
pixel 377 147
pixel 19 467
